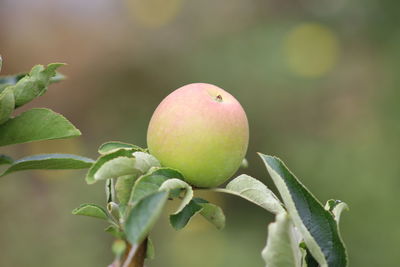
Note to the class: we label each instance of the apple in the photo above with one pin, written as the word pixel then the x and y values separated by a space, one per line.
pixel 202 131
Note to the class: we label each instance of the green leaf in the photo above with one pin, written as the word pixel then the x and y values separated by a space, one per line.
pixel 143 216
pixel 9 80
pixel 210 212
pixel 116 167
pixel 121 162
pixel 181 219
pixel 254 191
pixel 123 188
pixel 213 214
pixel 115 145
pixel 34 125
pixel 150 251
pixel 307 259
pixel 91 210
pixel 114 231
pixel 150 182
pixel 173 184
pixel 336 207
pixel 7 104
pixel 317 225
pixel 145 161
pixel 4 159
pixel 49 162
pixel 90 176
pixel 281 249
pixel 34 84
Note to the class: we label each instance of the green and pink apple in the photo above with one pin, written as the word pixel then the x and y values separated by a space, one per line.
pixel 202 131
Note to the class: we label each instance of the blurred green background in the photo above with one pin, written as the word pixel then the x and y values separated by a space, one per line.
pixel 319 80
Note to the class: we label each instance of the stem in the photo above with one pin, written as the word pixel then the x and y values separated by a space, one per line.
pixel 135 255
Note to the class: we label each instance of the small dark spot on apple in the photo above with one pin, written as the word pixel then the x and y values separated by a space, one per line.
pixel 219 98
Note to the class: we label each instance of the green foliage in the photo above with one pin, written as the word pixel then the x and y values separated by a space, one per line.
pixel 304 232
pixel 123 188
pixel 35 125
pixel 317 225
pixel 336 207
pixel 151 182
pixel 174 184
pixel 143 216
pixel 91 210
pixel 150 251
pixel 210 212
pixel 254 191
pixel 111 146
pixel 115 231
pixel 213 214
pixel 181 219
pixel 4 159
pixel 7 104
pixel 281 249
pixel 90 177
pixel 34 84
pixel 120 162
pixel 49 162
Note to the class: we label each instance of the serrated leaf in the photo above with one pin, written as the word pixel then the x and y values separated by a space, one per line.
pixel 116 145
pixel 151 182
pixel 317 225
pixel 143 216
pixel 34 84
pixel 280 250
pixel 91 210
pixel 4 159
pixel 7 104
pixel 90 176
pixel 254 191
pixel 34 125
pixel 49 162
pixel 173 184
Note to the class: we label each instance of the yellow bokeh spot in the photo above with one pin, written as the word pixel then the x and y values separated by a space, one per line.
pixel 311 50
pixel 154 13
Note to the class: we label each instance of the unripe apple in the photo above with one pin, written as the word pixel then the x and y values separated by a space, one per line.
pixel 202 131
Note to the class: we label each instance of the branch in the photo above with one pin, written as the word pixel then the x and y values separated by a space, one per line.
pixel 135 255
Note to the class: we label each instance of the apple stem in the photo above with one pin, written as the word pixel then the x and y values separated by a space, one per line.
pixel 219 98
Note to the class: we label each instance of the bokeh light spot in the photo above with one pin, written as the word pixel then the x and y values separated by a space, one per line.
pixel 154 13
pixel 311 50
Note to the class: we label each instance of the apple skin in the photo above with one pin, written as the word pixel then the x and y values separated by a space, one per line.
pixel 202 131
